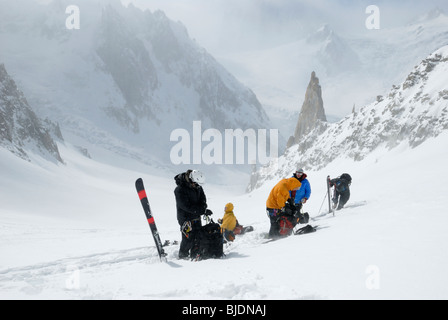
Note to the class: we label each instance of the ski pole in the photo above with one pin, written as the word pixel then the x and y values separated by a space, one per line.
pixel 323 201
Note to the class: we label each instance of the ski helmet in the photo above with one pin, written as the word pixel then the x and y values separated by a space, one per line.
pixel 197 177
pixel 298 172
pixel 347 177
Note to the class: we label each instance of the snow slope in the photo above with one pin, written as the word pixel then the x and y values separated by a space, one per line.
pixel 78 232
pixel 413 111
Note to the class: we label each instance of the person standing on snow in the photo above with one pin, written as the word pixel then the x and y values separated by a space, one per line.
pixel 276 202
pixel 191 203
pixel 302 195
pixel 341 190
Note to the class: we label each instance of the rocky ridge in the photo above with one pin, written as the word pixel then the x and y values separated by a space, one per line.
pixel 21 130
pixel 411 113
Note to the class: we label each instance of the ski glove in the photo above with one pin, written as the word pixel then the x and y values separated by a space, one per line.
pixel 208 212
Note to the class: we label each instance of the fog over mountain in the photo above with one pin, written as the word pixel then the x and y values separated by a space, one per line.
pixel 266 44
pixel 124 81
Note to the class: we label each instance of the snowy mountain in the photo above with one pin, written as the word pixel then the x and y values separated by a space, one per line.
pixel 124 81
pixel 353 67
pixel 20 129
pixel 77 231
pixel 332 52
pixel 412 113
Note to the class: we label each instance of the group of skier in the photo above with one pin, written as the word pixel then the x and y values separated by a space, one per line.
pixel 285 202
pixel 283 207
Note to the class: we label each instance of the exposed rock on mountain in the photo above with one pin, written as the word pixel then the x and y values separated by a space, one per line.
pixel 312 112
pixel 21 130
pixel 410 114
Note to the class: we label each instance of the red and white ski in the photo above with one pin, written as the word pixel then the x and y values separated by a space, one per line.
pixel 152 225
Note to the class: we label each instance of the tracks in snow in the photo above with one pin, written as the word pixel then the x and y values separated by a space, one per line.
pixel 145 254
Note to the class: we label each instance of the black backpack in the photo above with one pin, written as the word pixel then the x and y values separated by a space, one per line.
pixel 211 243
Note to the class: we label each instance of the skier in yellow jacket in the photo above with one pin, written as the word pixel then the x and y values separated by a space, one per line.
pixel 277 199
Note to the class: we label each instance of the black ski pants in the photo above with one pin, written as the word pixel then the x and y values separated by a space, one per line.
pixel 189 246
pixel 341 198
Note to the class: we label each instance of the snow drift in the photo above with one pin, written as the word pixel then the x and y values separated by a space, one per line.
pixel 78 232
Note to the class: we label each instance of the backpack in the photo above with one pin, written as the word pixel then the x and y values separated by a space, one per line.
pixel 239 229
pixel 341 185
pixel 285 225
pixel 210 242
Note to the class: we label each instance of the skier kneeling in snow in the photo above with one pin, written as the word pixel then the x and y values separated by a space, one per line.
pixel 341 190
pixel 279 204
pixel 191 203
pixel 228 223
pixel 230 227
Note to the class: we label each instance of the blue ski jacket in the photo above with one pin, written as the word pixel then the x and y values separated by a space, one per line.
pixel 303 192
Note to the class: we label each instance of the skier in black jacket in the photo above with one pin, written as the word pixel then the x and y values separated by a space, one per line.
pixel 191 203
pixel 341 190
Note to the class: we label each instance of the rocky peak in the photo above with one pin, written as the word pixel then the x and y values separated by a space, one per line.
pixel 312 112
pixel 408 116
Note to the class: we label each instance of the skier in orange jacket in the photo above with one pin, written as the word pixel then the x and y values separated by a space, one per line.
pixel 277 200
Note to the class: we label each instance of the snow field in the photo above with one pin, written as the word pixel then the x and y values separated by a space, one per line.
pixel 78 232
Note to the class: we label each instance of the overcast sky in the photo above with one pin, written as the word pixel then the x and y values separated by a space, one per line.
pixel 232 30
pixel 223 26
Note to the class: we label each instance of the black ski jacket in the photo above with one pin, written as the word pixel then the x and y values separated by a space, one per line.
pixel 190 200
pixel 341 185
